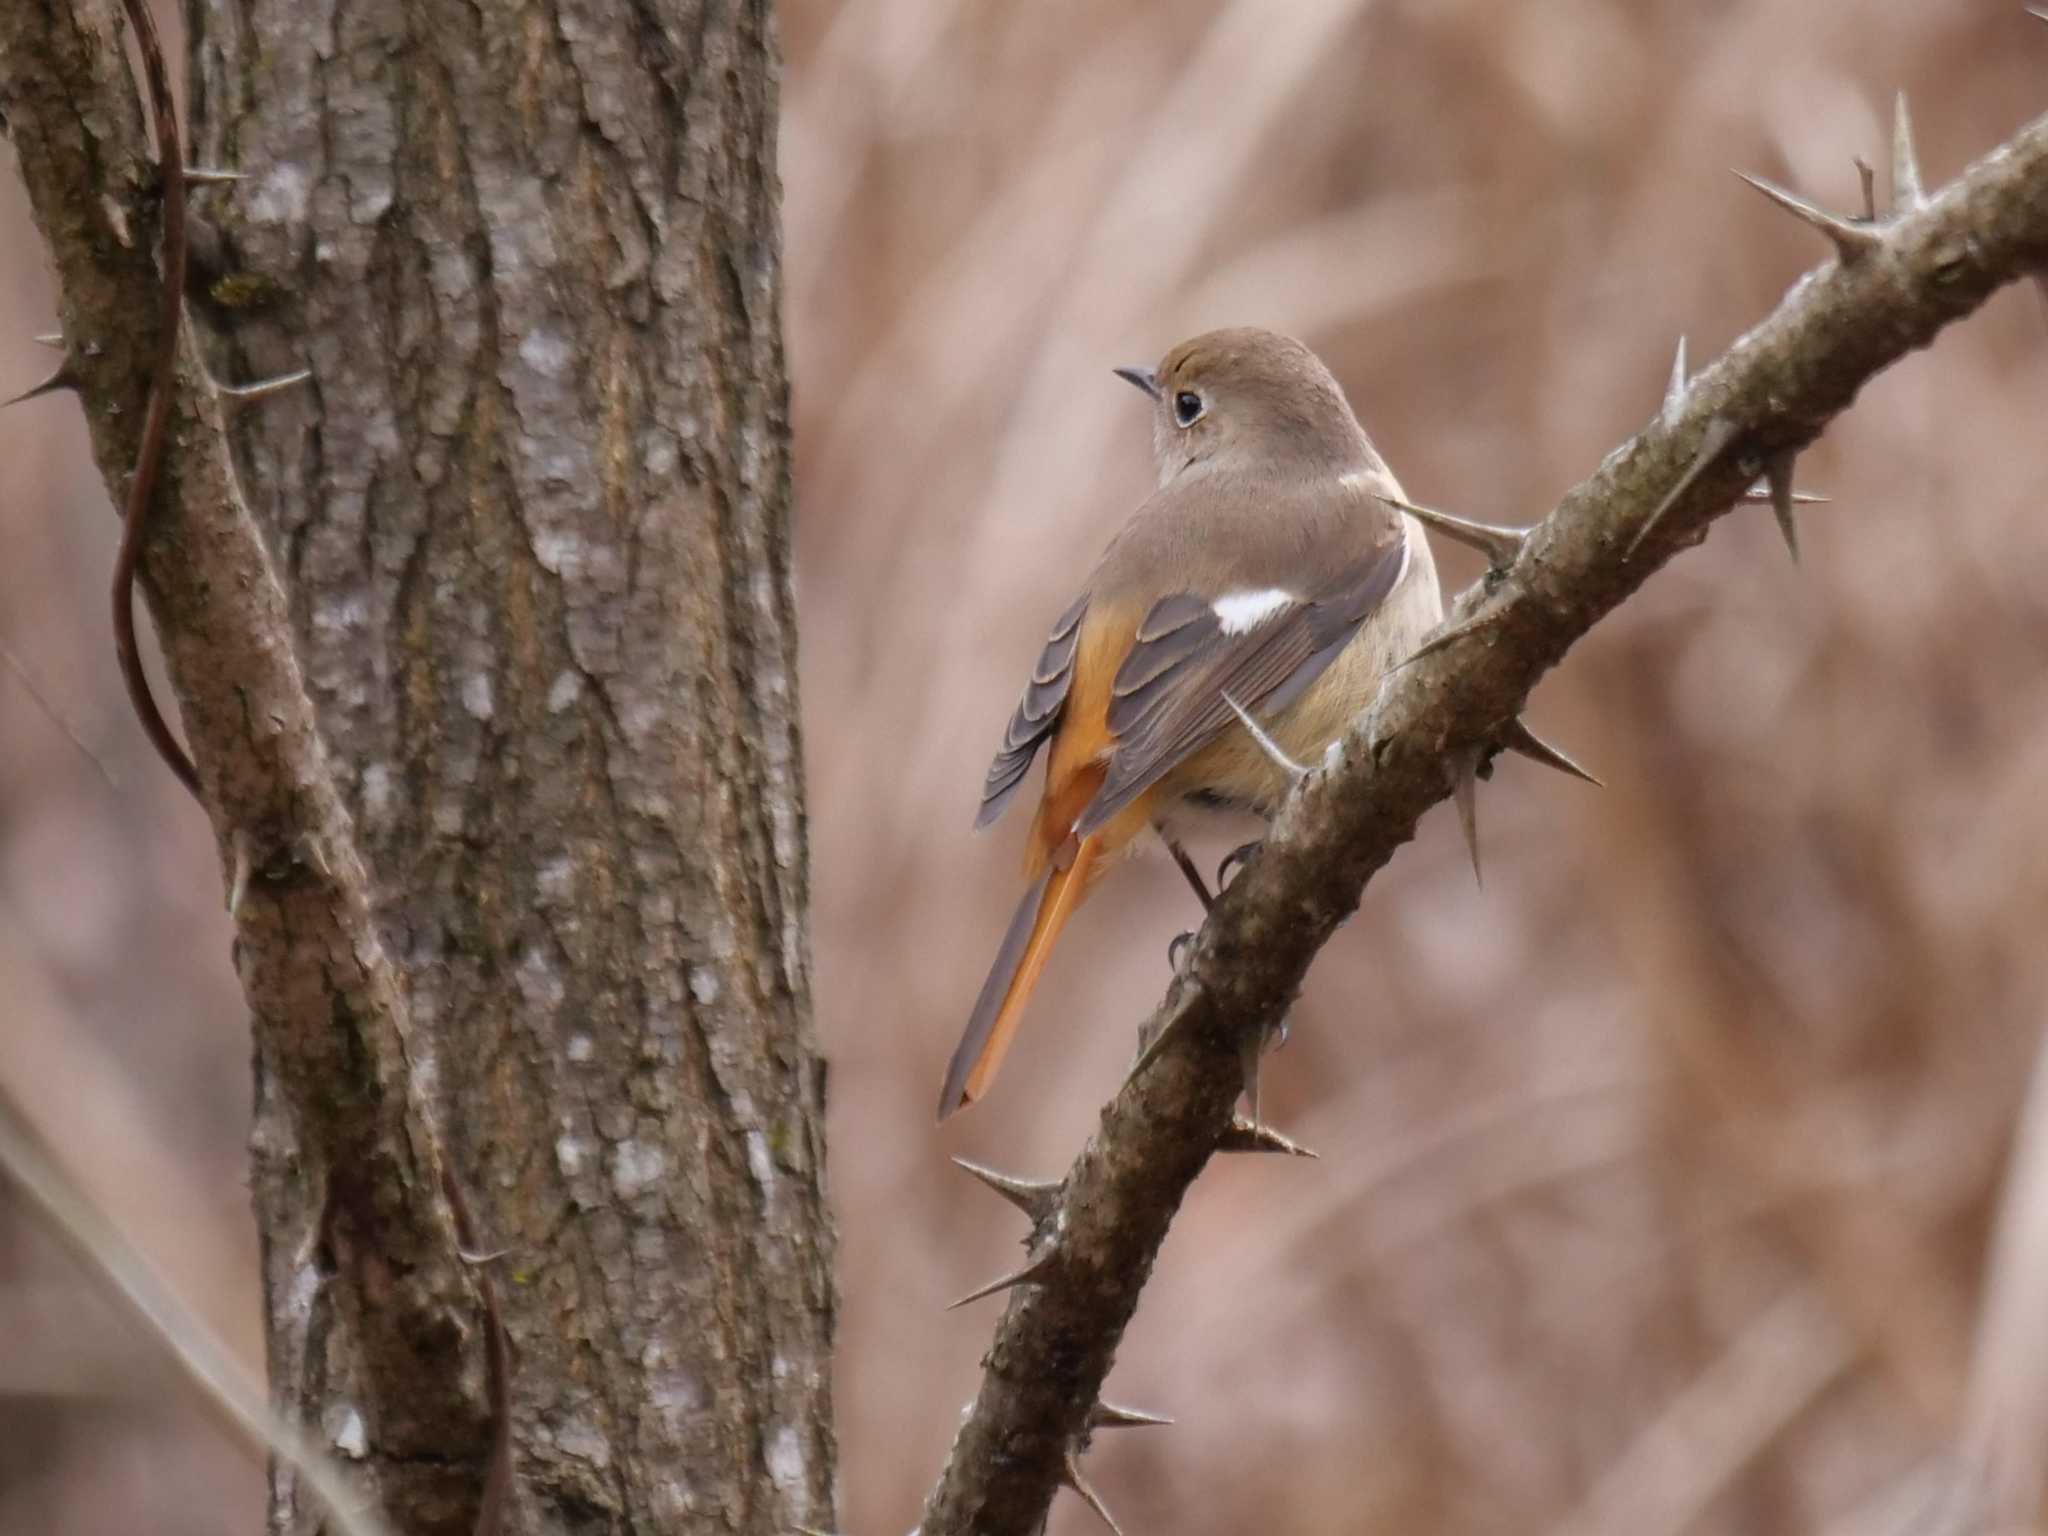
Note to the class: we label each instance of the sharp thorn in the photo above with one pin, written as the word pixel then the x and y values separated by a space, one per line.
pixel 1464 772
pixel 2037 12
pixel 238 886
pixel 1149 1049
pixel 1266 743
pixel 1762 493
pixel 50 339
pixel 1177 950
pixel 1674 392
pixel 1866 176
pixel 1907 193
pixel 1852 241
pixel 1500 545
pixel 1028 1275
pixel 1036 1198
pixel 1250 1043
pixel 1778 471
pixel 1518 738
pixel 208 176
pixel 1719 433
pixel 63 378
pixel 1070 1474
pixel 1109 1416
pixel 263 389
pixel 307 850
pixel 475 1258
pixel 1247 1136
pixel 1444 639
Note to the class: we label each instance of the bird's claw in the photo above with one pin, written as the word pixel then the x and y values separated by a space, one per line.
pixel 1236 859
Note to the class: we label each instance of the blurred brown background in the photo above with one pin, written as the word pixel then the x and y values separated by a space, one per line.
pixel 1658 1173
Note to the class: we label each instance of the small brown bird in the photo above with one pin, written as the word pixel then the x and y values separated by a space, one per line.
pixel 1264 583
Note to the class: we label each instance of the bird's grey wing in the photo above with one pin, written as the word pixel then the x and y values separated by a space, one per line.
pixel 1037 713
pixel 1174 692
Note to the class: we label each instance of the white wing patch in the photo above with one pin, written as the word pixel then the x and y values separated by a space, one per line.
pixel 1240 611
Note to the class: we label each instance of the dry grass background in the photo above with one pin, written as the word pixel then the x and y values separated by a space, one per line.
pixel 1660 1174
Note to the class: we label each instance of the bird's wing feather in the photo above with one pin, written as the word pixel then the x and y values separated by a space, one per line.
pixel 1174 691
pixel 1037 713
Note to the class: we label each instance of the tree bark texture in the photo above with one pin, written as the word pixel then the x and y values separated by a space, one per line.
pixel 488 663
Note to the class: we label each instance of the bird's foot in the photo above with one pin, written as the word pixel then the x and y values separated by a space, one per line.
pixel 1236 859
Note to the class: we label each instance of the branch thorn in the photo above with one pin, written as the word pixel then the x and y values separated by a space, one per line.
pixel 1866 176
pixel 1248 1136
pixel 1778 470
pixel 1150 1048
pixel 1719 433
pixel 1762 493
pixel 1036 1198
pixel 1852 241
pixel 1070 1474
pixel 1500 545
pixel 1907 193
pixel 1446 638
pixel 1518 738
pixel 63 378
pixel 208 176
pixel 263 389
pixel 1109 1416
pixel 1250 1044
pixel 1463 769
pixel 1674 392
pixel 238 886
pixel 1030 1274
pixel 1266 743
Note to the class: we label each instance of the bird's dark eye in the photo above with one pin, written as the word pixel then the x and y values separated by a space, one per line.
pixel 1187 408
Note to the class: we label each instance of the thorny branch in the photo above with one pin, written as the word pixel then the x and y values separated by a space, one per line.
pixel 1894 285
pixel 308 949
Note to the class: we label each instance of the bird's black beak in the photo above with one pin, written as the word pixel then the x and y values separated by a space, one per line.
pixel 1140 378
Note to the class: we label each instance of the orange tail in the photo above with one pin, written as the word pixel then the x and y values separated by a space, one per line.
pixel 1041 915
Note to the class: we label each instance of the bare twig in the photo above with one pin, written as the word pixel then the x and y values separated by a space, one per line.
pixel 204 1360
pixel 34 690
pixel 1776 389
pixel 2005 1436
pixel 1719 1423
pixel 149 456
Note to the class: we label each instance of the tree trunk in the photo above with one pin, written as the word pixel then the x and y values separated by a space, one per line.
pixel 530 521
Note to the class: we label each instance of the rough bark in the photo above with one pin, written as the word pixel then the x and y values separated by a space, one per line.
pixel 490 678
pixel 1097 1233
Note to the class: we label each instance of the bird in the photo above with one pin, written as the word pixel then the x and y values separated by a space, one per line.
pixel 1236 625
